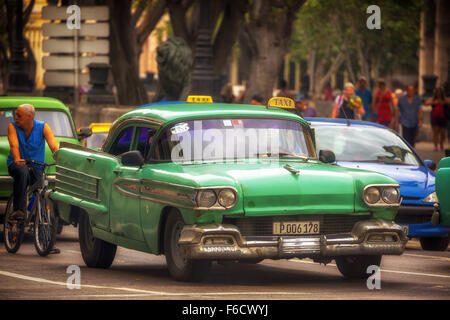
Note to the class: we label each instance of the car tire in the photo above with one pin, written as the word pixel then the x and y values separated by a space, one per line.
pixel 434 243
pixel 96 253
pixel 355 267
pixel 180 268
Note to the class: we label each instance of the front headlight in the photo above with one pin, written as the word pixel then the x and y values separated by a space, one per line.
pixel 432 197
pixel 381 195
pixel 227 198
pixel 390 195
pixel 372 195
pixel 206 198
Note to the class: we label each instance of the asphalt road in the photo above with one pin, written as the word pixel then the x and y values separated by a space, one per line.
pixel 417 274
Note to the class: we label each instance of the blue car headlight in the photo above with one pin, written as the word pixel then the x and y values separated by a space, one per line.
pixel 432 197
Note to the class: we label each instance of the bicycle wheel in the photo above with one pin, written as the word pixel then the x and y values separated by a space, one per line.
pixel 44 225
pixel 13 230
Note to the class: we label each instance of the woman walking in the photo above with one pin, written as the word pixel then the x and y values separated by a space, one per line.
pixel 382 106
pixel 439 103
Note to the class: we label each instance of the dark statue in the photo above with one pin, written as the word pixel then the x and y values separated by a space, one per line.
pixel 174 58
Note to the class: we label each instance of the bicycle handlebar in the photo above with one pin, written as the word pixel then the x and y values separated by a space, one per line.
pixel 31 161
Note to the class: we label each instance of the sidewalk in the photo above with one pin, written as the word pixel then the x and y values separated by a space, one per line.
pixel 426 152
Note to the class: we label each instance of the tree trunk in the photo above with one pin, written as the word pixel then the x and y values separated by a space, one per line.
pixel 130 90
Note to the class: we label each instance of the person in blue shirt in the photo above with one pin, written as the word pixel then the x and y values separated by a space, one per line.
pixel 411 114
pixel 26 138
pixel 366 97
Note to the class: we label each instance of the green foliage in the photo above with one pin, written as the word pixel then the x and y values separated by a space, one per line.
pixel 329 26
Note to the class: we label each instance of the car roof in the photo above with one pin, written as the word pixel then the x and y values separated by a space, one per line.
pixel 343 122
pixel 171 111
pixel 37 102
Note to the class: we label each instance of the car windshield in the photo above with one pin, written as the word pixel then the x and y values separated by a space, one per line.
pixel 243 138
pixel 58 121
pixel 364 144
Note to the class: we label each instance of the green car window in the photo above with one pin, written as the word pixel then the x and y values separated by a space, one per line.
pixel 365 144
pixel 122 142
pixel 223 139
pixel 58 121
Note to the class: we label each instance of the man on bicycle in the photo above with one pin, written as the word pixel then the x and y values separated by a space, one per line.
pixel 26 138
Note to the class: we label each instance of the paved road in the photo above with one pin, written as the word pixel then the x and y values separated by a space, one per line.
pixel 415 275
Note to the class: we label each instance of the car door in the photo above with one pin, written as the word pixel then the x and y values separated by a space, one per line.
pixel 443 190
pixel 125 200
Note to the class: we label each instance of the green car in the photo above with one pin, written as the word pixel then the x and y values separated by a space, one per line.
pixel 442 211
pixel 203 181
pixel 50 110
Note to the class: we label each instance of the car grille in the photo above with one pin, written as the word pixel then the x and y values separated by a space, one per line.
pixel 263 226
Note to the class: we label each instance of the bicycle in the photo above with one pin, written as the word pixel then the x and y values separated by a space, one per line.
pixel 40 218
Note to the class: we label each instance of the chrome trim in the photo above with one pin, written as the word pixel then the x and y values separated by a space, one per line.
pixel 78 172
pixel 381 202
pixel 193 240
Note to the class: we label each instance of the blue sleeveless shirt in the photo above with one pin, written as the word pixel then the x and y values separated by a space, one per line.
pixel 34 146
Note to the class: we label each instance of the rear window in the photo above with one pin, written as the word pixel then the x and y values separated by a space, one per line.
pixel 58 121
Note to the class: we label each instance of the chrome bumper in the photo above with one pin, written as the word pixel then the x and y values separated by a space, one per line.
pixel 219 241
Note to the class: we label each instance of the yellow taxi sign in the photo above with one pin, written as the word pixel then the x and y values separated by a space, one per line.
pixel 199 99
pixel 281 102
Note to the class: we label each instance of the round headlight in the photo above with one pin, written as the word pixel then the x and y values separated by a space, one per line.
pixel 372 195
pixel 390 195
pixel 206 198
pixel 227 198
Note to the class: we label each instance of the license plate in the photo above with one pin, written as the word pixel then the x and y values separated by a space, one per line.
pixel 296 227
pixel 405 229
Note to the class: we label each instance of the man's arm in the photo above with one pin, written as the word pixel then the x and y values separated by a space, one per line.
pixel 420 117
pixel 50 138
pixel 14 145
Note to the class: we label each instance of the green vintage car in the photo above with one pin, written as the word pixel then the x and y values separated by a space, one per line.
pixel 199 182
pixel 442 210
pixel 50 110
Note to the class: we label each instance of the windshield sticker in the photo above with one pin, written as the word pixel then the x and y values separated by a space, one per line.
pixel 8 114
pixel 227 123
pixel 237 122
pixel 180 128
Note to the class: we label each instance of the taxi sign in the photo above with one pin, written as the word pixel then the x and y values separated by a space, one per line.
pixel 281 102
pixel 199 99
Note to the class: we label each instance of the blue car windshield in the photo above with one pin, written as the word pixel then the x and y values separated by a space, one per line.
pixel 231 138
pixel 365 144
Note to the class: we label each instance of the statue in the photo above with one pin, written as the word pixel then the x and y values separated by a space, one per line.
pixel 174 60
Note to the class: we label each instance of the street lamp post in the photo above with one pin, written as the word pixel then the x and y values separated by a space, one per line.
pixel 18 76
pixel 204 79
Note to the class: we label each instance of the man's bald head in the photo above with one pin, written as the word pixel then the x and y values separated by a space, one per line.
pixel 24 116
pixel 27 109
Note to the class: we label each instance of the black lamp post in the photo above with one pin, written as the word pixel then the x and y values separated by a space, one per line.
pixel 18 76
pixel 204 79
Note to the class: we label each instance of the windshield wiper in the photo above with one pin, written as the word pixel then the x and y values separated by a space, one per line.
pixel 295 156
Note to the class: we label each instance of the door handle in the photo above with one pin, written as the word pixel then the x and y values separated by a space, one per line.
pixel 117 171
pixel 90 159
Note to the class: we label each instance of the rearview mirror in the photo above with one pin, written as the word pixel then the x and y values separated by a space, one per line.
pixel 327 156
pixel 430 164
pixel 132 158
pixel 84 133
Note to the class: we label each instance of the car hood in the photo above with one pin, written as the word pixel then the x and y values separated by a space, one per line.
pixel 267 188
pixel 415 181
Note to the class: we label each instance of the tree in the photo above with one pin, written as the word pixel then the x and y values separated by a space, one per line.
pixel 267 32
pixel 225 21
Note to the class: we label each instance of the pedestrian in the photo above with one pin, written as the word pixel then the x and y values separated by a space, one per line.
pixel 382 107
pixel 366 97
pixel 395 96
pixel 240 97
pixel 227 93
pixel 301 104
pixel 439 104
pixel 284 91
pixel 257 100
pixel 411 114
pixel 348 105
pixel 328 92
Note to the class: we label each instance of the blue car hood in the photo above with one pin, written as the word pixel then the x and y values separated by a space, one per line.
pixel 414 181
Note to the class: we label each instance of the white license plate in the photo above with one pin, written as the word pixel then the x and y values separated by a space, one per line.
pixel 296 227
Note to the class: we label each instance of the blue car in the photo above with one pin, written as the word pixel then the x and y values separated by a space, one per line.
pixel 370 146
